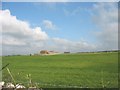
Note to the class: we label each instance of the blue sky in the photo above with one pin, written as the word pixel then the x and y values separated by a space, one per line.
pixel 75 26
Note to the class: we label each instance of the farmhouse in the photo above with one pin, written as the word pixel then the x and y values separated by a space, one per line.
pixel 44 52
pixel 67 52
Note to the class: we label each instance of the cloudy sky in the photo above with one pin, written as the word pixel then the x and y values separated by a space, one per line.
pixel 29 27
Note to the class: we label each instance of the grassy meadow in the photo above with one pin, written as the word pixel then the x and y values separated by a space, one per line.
pixel 92 70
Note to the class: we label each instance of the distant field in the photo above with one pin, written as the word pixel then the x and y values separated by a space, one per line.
pixel 65 70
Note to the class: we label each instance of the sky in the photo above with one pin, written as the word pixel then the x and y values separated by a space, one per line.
pixel 28 27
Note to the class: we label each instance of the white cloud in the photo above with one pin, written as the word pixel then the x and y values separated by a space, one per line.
pixel 38 34
pixel 14 29
pixel 105 16
pixel 78 46
pixel 49 25
pixel 13 41
pixel 17 33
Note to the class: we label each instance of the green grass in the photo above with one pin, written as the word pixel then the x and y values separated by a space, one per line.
pixel 65 70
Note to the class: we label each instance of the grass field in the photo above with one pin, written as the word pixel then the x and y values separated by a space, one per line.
pixel 65 70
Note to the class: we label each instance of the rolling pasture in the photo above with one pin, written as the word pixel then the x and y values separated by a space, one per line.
pixel 92 70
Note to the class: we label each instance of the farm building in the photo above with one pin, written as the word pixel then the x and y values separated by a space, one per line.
pixel 44 52
pixel 67 52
